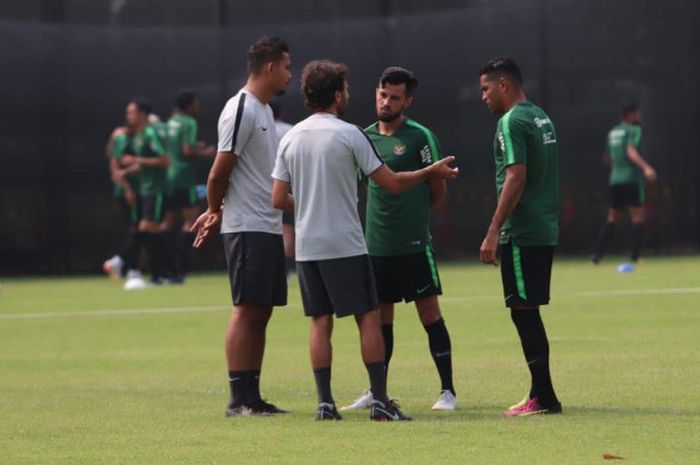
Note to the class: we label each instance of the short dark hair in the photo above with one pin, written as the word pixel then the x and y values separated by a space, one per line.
pixel 502 66
pixel 629 108
pixel 143 105
pixel 184 99
pixel 265 50
pixel 396 75
pixel 319 82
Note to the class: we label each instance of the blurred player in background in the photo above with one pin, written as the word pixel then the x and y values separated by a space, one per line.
pixel 240 185
pixel 628 171
pixel 398 228
pixel 181 196
pixel 526 220
pixel 282 128
pixel 319 159
pixel 126 189
pixel 146 154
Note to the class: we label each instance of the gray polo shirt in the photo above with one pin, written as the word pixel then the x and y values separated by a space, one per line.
pixel 247 128
pixel 320 158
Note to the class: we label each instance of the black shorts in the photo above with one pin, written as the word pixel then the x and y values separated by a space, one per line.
pixel 256 268
pixel 626 195
pixel 406 277
pixel 526 273
pixel 131 214
pixel 181 198
pixel 341 286
pixel 152 207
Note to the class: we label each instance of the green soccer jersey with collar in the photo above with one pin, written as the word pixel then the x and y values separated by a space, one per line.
pixel 526 135
pixel 147 144
pixel 398 224
pixel 623 171
pixel 121 144
pixel 181 131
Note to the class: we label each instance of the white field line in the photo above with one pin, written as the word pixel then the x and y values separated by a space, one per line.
pixel 217 308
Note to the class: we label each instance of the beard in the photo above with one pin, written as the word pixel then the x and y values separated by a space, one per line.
pixel 388 117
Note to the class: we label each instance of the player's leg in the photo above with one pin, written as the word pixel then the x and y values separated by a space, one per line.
pixel 606 233
pixel 637 216
pixel 169 237
pixel 288 234
pixel 526 274
pixel 256 274
pixel 189 216
pixel 386 314
pixel 124 258
pixel 245 345
pixel 318 307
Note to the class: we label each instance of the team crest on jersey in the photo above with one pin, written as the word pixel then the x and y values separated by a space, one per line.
pixel 400 149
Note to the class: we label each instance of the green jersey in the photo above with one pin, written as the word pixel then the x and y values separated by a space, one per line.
pixel 120 146
pixel 147 144
pixel 623 170
pixel 526 135
pixel 182 130
pixel 399 224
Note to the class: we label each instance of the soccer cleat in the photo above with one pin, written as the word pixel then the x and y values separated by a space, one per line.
pixel 533 407
pixel 362 402
pixel 134 281
pixel 113 267
pixel 381 411
pixel 262 408
pixel 446 401
pixel 520 404
pixel 237 411
pixel 326 411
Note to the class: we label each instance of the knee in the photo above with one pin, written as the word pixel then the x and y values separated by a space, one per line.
pixel 428 310
pixel 322 324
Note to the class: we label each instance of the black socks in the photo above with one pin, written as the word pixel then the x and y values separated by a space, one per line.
pixel 637 235
pixel 323 385
pixel 377 380
pixel 441 351
pixel 604 236
pixel 388 334
pixel 533 338
pixel 245 387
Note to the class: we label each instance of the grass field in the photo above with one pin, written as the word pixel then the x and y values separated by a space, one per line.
pixel 90 374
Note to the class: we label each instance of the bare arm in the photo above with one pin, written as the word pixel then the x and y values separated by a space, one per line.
pixel 395 183
pixel 217 184
pixel 438 189
pixel 154 162
pixel 516 176
pixel 281 198
pixel 635 157
pixel 199 150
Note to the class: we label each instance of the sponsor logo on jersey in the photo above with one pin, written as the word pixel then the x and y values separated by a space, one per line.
pixel 399 149
pixel 548 138
pixel 426 155
pixel 502 141
pixel 539 122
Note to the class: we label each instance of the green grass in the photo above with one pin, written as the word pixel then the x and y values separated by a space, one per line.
pixel 83 383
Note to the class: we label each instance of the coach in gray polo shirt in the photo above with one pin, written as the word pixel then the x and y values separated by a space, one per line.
pixel 319 159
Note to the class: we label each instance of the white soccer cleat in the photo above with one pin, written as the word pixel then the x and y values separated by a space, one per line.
pixel 362 402
pixel 113 267
pixel 446 401
pixel 134 281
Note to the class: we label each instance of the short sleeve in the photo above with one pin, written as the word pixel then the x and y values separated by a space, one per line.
pixel 366 155
pixel 154 143
pixel 634 136
pixel 281 169
pixel 191 135
pixel 236 125
pixel 514 140
pixel 119 144
pixel 430 152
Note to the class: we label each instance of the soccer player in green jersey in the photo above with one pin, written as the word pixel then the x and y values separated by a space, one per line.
pixel 147 155
pixel 125 192
pixel 628 171
pixel 181 198
pixel 397 228
pixel 525 225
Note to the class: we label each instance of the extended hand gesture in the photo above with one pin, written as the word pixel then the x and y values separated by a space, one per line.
pixel 441 169
pixel 206 226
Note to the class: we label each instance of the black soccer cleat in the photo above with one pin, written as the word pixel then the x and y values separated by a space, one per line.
pixel 380 411
pixel 262 408
pixel 326 411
